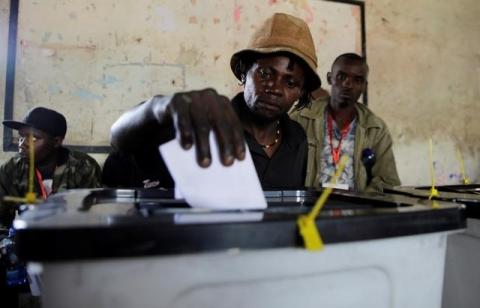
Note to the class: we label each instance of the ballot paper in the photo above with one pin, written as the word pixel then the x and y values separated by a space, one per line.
pixel 215 187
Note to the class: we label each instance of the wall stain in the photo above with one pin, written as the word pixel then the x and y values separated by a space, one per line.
pixel 46 36
pixel 46 52
pixel 356 14
pixel 87 95
pixel 192 20
pixel 237 12
pixel 166 19
pixel 58 46
pixel 92 122
pixel 189 56
pixel 108 80
pixel 54 89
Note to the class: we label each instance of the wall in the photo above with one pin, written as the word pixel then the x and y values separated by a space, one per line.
pixel 424 81
pixel 93 60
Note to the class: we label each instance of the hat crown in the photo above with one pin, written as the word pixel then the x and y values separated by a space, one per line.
pixel 47 120
pixel 284 31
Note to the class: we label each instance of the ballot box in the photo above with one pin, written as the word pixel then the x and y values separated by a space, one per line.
pixel 462 273
pixel 135 248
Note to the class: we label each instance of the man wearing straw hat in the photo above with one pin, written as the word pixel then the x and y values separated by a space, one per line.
pixel 277 69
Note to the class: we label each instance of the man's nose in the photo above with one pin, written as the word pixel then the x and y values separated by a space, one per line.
pixel 273 86
pixel 347 83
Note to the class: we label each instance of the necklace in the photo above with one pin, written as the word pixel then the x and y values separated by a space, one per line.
pixel 277 137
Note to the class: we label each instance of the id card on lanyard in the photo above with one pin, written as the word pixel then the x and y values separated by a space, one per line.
pixel 45 190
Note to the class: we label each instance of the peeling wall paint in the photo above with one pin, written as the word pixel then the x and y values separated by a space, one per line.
pixel 424 82
pixel 93 60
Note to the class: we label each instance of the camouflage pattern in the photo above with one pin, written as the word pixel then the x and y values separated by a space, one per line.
pixel 79 171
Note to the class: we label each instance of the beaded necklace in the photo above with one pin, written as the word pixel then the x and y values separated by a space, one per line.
pixel 277 137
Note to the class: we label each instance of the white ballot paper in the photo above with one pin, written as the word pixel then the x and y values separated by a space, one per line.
pixel 215 187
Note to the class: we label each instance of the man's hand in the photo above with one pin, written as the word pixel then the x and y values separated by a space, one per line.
pixel 195 113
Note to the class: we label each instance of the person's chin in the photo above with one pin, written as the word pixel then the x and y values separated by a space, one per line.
pixel 344 102
pixel 266 116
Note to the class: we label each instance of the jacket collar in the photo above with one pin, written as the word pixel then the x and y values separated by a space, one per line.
pixel 365 117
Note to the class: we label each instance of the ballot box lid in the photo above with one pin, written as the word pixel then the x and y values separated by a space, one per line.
pixel 108 223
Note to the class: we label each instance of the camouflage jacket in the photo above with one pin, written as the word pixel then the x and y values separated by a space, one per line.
pixel 76 170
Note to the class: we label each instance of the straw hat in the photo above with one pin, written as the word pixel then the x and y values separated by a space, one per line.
pixel 282 33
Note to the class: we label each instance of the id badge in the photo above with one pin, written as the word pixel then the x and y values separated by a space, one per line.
pixel 335 186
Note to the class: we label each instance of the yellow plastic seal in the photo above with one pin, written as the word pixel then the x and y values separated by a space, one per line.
pixel 306 223
pixel 433 190
pixel 309 232
pixel 465 180
pixel 30 196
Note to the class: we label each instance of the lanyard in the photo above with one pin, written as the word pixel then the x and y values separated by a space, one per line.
pixel 343 134
pixel 43 190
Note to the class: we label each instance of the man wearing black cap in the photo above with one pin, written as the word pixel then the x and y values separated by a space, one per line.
pixel 56 167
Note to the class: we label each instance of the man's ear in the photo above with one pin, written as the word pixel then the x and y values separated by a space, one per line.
pixel 57 141
pixel 329 78
pixel 365 86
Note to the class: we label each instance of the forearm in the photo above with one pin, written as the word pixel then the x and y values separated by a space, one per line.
pixel 148 122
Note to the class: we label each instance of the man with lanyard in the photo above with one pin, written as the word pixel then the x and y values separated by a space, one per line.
pixel 56 167
pixel 339 125
pixel 277 69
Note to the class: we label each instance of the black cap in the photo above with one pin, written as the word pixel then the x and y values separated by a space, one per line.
pixel 44 119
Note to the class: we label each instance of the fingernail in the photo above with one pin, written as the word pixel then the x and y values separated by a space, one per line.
pixel 228 159
pixel 205 162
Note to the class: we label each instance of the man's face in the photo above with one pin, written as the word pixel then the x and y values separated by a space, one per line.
pixel 348 79
pixel 44 144
pixel 272 86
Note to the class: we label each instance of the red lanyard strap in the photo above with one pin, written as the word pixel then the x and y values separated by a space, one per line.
pixel 343 134
pixel 43 190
